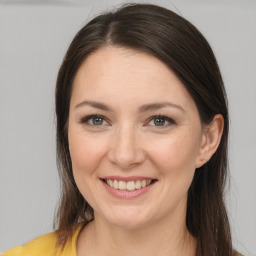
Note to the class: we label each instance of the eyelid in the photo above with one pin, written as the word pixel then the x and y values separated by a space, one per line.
pixel 85 119
pixel 168 119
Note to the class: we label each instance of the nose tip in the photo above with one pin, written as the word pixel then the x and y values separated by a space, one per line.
pixel 125 158
pixel 126 151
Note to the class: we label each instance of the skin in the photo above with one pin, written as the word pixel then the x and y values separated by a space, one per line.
pixel 129 143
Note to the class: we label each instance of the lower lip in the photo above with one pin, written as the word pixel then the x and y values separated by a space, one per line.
pixel 124 194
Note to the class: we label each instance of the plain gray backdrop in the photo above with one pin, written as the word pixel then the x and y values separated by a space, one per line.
pixel 34 36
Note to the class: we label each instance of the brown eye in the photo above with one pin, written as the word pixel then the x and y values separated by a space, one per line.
pixel 159 121
pixel 94 120
pixel 97 121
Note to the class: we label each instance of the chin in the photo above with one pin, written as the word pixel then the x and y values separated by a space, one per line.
pixel 128 219
pixel 128 224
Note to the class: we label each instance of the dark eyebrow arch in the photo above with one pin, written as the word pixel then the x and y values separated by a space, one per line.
pixel 155 106
pixel 143 108
pixel 94 104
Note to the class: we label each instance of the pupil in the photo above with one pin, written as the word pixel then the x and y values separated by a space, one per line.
pixel 159 121
pixel 97 121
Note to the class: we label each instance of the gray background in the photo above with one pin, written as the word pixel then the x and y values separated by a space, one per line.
pixel 34 36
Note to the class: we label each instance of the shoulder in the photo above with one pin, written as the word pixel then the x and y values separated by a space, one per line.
pixel 46 245
pixel 40 246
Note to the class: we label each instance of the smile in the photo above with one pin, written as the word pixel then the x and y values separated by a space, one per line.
pixel 129 185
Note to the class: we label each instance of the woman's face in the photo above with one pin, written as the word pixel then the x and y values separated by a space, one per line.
pixel 134 137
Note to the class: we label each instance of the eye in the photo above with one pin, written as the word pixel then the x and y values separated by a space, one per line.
pixel 161 121
pixel 94 120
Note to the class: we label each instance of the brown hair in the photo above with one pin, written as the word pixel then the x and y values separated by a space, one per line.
pixel 176 42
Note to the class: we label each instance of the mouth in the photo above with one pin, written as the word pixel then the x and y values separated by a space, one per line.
pixel 130 185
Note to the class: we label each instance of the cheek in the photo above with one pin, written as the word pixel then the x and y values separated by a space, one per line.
pixel 86 155
pixel 175 155
pixel 85 152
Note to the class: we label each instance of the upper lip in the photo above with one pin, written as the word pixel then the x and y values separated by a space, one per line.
pixel 127 178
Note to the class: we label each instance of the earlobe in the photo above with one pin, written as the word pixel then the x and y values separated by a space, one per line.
pixel 211 138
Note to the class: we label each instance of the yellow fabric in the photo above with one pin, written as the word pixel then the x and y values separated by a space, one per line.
pixel 45 246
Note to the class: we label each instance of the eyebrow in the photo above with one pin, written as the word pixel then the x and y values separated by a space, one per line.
pixel 94 104
pixel 143 108
pixel 155 106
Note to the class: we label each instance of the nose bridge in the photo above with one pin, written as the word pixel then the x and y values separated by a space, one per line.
pixel 126 151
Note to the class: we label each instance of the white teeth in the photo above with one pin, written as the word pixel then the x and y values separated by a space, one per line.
pixel 143 183
pixel 122 185
pixel 115 184
pixel 130 185
pixel 138 184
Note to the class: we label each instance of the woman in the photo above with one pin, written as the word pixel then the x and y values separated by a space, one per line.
pixel 142 130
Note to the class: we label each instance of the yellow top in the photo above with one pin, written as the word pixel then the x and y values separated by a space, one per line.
pixel 45 245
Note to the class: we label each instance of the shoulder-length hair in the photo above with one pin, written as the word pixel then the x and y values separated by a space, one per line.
pixel 178 44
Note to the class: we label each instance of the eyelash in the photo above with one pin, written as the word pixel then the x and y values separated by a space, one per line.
pixel 165 118
pixel 86 119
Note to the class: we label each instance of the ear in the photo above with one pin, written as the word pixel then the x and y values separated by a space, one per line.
pixel 211 137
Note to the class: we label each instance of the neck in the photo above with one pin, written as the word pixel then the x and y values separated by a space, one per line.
pixel 102 238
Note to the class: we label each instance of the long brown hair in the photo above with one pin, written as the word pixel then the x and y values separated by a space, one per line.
pixel 177 43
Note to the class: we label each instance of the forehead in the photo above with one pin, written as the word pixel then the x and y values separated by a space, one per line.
pixel 111 62
pixel 114 72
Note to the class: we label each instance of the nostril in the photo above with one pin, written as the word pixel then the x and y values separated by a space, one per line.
pixel 126 158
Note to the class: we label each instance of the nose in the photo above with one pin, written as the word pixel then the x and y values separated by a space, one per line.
pixel 126 150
